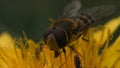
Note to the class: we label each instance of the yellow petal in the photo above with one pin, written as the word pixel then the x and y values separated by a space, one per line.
pixel 107 30
pixel 8 51
pixel 112 56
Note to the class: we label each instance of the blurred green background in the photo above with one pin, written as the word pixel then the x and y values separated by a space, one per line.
pixel 32 15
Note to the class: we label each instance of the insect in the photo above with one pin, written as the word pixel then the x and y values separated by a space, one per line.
pixel 73 23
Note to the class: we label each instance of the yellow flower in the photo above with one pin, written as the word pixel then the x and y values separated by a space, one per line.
pixel 99 41
pixel 96 52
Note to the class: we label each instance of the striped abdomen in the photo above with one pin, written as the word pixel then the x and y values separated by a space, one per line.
pixel 83 22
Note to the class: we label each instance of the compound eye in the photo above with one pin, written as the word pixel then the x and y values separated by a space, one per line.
pixel 46 33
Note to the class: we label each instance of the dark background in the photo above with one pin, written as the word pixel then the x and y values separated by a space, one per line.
pixel 32 15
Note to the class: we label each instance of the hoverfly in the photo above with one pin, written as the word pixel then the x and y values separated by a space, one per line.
pixel 73 23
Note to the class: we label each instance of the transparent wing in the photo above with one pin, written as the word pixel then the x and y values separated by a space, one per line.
pixel 72 8
pixel 100 12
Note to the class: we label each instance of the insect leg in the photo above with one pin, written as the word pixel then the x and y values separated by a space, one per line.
pixel 56 53
pixel 64 51
pixel 73 49
pixel 84 37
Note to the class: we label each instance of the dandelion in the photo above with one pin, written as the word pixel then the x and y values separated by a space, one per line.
pixel 94 53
